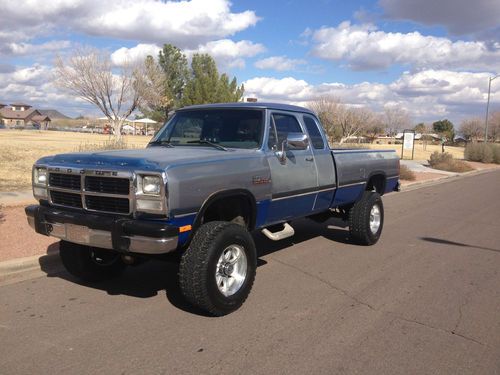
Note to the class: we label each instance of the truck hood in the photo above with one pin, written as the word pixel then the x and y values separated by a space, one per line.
pixel 151 158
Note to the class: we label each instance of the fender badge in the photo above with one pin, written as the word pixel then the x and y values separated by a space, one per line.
pixel 259 180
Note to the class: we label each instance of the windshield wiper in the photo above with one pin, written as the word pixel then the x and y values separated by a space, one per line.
pixel 163 142
pixel 204 141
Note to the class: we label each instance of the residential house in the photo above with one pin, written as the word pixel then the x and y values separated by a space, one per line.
pixel 23 115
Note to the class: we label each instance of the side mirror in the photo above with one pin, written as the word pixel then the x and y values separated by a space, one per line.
pixel 297 141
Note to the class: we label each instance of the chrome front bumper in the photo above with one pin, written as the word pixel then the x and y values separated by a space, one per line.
pixel 122 235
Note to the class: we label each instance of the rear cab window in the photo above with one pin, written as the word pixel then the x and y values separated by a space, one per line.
pixel 312 127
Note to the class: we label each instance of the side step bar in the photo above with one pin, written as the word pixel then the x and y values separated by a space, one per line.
pixel 286 232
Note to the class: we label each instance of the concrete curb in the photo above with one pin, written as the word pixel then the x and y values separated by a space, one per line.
pixel 434 181
pixel 20 269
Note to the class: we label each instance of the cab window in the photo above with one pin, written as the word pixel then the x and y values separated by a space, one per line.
pixel 282 124
pixel 314 133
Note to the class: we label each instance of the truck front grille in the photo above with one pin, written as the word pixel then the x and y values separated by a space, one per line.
pixel 109 193
pixel 107 204
pixel 107 185
pixel 66 199
pixel 66 181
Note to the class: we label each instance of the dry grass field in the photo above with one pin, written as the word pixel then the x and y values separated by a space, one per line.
pixel 420 153
pixel 20 149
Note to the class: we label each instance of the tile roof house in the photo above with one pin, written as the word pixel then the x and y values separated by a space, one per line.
pixel 23 115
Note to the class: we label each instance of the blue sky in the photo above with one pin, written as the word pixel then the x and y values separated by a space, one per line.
pixel 430 58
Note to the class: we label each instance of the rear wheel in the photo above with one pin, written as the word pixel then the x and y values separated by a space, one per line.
pixel 218 269
pixel 90 263
pixel 366 219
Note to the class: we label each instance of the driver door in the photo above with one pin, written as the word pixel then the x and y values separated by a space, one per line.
pixel 294 176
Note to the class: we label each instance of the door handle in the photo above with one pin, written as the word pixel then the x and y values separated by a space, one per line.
pixel 310 159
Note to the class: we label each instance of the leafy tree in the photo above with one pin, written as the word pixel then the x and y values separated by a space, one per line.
pixel 207 86
pixel 175 66
pixel 444 128
pixel 168 76
pixel 421 128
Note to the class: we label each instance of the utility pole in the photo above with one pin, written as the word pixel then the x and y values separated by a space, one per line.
pixel 490 79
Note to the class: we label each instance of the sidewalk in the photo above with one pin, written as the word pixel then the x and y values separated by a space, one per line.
pixel 16 198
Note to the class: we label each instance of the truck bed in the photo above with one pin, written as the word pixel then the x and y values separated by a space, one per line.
pixel 354 167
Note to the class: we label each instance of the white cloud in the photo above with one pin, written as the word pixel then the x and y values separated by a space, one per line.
pixel 446 86
pixel 138 53
pixel 227 53
pixel 426 95
pixel 33 85
pixel 279 63
pixel 458 16
pixel 186 23
pixel 35 75
pixel 25 49
pixel 364 47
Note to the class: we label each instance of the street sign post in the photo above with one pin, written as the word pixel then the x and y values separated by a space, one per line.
pixel 408 142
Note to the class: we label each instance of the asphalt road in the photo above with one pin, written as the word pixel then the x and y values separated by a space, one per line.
pixel 424 300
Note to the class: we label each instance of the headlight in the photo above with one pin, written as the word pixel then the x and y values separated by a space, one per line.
pixel 150 194
pixel 40 176
pixel 151 185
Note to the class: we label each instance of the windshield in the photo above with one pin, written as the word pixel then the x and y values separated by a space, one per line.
pixel 232 128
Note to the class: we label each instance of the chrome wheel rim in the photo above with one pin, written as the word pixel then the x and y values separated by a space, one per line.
pixel 375 218
pixel 231 270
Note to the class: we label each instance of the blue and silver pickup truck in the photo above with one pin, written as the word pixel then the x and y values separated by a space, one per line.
pixel 210 176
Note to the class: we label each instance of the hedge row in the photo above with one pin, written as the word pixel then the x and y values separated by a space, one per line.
pixel 483 152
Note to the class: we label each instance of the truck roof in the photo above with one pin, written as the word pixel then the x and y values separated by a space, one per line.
pixel 262 105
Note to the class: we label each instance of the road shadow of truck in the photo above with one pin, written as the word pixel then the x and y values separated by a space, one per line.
pixel 150 278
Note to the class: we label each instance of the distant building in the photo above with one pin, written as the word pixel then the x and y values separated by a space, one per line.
pixel 23 115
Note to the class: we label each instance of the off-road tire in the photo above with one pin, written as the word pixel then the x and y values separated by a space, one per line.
pixel 80 261
pixel 359 219
pixel 198 267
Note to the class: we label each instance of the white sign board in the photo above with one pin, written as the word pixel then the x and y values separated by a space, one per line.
pixel 408 141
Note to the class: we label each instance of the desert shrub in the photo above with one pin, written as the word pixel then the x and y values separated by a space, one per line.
pixel 445 162
pixel 106 145
pixel 2 216
pixel 406 173
pixel 496 154
pixel 440 157
pixel 482 152
pixel 473 152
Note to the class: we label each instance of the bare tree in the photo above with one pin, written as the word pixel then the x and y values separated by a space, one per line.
pixel 494 126
pixel 396 119
pixel 339 120
pixel 155 95
pixel 327 108
pixel 471 128
pixel 353 121
pixel 89 74
pixel 374 127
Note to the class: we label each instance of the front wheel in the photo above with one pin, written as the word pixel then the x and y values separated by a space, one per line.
pixel 90 263
pixel 217 271
pixel 366 219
